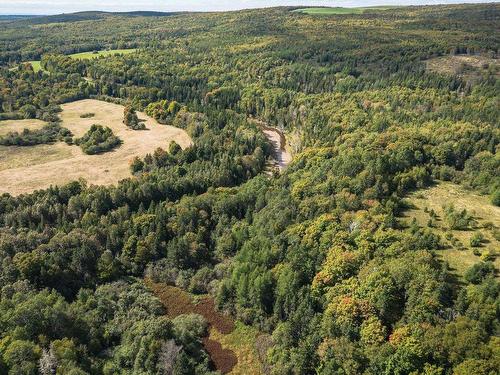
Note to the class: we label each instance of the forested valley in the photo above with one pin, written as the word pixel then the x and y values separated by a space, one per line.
pixel 316 257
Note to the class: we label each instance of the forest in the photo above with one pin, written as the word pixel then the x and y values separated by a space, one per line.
pixel 316 257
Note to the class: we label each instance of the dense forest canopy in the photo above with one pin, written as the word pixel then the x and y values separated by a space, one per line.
pixel 315 257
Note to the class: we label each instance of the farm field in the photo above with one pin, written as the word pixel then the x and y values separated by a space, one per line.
pixel 22 171
pixel 457 252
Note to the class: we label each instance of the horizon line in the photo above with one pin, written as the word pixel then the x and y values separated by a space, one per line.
pixel 236 10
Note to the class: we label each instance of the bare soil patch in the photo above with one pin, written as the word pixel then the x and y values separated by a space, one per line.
pixel 59 164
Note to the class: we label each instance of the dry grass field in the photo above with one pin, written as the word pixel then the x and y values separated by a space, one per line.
pixel 25 169
pixel 467 66
pixel 12 157
pixel 8 126
pixel 458 252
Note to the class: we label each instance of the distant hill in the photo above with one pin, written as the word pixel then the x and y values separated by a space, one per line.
pixel 13 17
pixel 85 16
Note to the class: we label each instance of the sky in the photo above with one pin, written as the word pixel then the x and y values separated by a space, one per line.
pixel 68 6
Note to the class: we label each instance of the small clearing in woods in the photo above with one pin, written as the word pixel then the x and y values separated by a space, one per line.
pixel 25 169
pixel 458 251
pixel 232 347
pixel 37 64
pixel 340 10
pixel 103 53
pixel 465 66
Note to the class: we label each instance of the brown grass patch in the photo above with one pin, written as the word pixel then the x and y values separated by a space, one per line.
pixel 223 323
pixel 178 302
pixel 20 156
pixel 25 172
pixel 7 126
pixel 466 66
pixel 224 360
pixel 175 300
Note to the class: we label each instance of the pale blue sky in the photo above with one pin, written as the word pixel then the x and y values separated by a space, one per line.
pixel 66 6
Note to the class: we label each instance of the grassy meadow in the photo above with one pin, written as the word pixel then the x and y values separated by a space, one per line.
pixel 457 249
pixel 25 169
pixel 36 64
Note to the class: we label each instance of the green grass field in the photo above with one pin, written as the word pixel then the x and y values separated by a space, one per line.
pixel 457 250
pixel 88 55
pixel 340 10
pixel 36 65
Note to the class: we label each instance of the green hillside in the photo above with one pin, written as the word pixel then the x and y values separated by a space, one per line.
pixel 373 251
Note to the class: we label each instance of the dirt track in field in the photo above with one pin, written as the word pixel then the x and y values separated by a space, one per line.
pixel 20 174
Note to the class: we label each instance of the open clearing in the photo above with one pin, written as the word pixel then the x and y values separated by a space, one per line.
pixel 37 65
pixel 87 55
pixel 8 126
pixel 18 157
pixel 244 341
pixel 25 169
pixel 467 66
pixel 460 255
pixel 104 53
pixel 231 346
pixel 340 10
